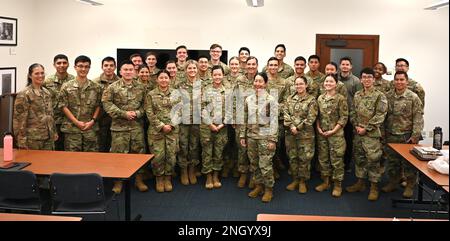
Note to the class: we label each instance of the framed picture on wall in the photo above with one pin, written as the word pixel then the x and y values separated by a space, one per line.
pixel 7 80
pixel 8 31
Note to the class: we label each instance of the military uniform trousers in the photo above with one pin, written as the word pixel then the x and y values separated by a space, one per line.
pixel 243 162
pixel 367 151
pixel 165 148
pixel 395 162
pixel 300 153
pixel 86 141
pixel 47 144
pixel 189 145
pixel 261 161
pixel 213 144
pixel 331 156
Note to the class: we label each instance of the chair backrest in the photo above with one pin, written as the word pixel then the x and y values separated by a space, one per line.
pixel 19 184
pixel 77 188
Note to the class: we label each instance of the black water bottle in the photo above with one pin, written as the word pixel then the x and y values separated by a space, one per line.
pixel 437 138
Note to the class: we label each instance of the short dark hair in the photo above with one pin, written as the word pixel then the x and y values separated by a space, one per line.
pixel 142 66
pixel 280 45
pixel 314 56
pixel 401 72
pixel 180 47
pixel 171 61
pixel 217 67
pixel 109 59
pixel 402 60
pixel 213 46
pixel 127 61
pixel 83 59
pixel 264 75
pixel 252 57
pixel 367 70
pixel 202 57
pixel 150 53
pixel 163 71
pixel 302 78
pixel 244 49
pixel 382 65
pixel 135 55
pixel 333 63
pixel 334 76
pixel 272 58
pixel 60 56
pixel 346 58
pixel 300 58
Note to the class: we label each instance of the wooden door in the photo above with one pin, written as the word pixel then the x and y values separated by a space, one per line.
pixel 363 49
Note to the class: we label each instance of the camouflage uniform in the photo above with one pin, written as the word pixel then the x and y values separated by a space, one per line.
pixel 152 81
pixel 181 70
pixel 118 98
pixel 158 107
pixel 404 119
pixel 103 119
pixel 258 134
pixel 213 143
pixel 82 101
pixel 369 110
pixel 226 69
pixel 415 87
pixel 300 112
pixel 284 72
pixel 313 87
pixel 340 88
pixel 382 85
pixel 333 110
pixel 33 122
pixel 316 78
pixel 190 124
pixel 53 84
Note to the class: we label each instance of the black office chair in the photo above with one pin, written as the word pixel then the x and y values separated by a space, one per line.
pixel 79 194
pixel 19 190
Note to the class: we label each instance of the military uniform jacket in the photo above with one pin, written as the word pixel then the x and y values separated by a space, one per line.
pixel 160 107
pixel 191 97
pixel 382 85
pixel 152 81
pixel 313 87
pixel 333 110
pixel 415 87
pixel 103 118
pixel 301 112
pixel 53 85
pixel 229 81
pixel 404 114
pixel 340 88
pixel 213 105
pixel 261 118
pixel 33 115
pixel 242 88
pixel 226 69
pixel 369 111
pixel 120 98
pixel 282 86
pixel 81 101
pixel 315 78
pixel 284 72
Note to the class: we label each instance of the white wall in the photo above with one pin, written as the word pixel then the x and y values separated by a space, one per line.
pixel 405 29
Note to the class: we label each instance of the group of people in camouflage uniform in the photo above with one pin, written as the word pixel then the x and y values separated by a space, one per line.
pixel 209 117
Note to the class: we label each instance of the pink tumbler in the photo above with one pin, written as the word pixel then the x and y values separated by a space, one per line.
pixel 8 148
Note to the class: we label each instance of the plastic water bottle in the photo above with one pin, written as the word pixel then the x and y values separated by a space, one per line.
pixel 437 138
pixel 8 148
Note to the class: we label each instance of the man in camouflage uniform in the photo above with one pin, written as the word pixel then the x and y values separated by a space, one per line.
pixel 259 134
pixel 404 123
pixel 181 55
pixel 79 99
pixel 204 71
pixel 123 100
pixel 300 112
pixel 104 120
pixel 278 87
pixel 215 51
pixel 242 89
pixel 299 66
pixel 402 64
pixel 54 83
pixel 353 84
pixel 314 73
pixel 213 131
pixel 151 61
pixel 163 131
pixel 33 123
pixel 284 70
pixel 367 115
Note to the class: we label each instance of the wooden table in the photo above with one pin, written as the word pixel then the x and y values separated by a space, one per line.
pixel 441 180
pixel 32 217
pixel 108 165
pixel 285 217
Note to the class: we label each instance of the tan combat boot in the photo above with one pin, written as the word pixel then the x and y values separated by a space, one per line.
pixel 251 183
pixel 191 174
pixel 409 189
pixel 197 172
pixel 184 176
pixel 302 186
pixel 168 184
pixel 359 186
pixel 209 181
pixel 293 185
pixel 337 189
pixel 373 193
pixel 256 191
pixel 159 184
pixel 392 184
pixel 225 172
pixel 325 185
pixel 235 171
pixel 242 180
pixel 139 183
pixel 117 189
pixel 216 180
pixel 267 197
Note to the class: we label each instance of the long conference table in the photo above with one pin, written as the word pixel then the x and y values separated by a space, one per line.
pixel 108 165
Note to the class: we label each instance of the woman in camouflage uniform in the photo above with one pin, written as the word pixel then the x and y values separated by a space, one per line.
pixel 33 121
